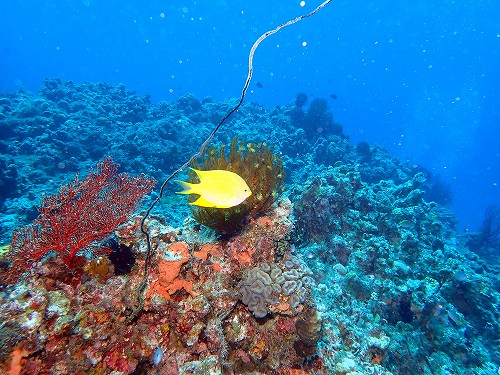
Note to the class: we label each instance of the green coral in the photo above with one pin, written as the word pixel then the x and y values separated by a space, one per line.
pixel 258 165
pixel 4 250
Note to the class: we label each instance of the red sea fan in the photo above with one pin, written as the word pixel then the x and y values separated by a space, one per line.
pixel 80 215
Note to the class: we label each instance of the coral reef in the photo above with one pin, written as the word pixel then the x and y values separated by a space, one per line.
pixel 193 311
pixel 395 269
pixel 317 121
pixel 386 284
pixel 486 241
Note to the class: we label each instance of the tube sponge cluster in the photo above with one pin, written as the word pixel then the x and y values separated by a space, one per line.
pixel 284 284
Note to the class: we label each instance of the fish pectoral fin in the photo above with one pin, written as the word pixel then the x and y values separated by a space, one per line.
pixel 188 188
pixel 202 202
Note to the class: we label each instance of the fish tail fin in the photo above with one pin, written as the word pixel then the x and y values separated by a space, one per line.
pixel 188 188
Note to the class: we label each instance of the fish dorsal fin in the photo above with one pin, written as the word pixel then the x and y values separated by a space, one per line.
pixel 209 177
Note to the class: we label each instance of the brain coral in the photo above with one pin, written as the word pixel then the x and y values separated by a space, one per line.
pixel 279 287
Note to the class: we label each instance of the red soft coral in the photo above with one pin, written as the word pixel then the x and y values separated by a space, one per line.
pixel 81 214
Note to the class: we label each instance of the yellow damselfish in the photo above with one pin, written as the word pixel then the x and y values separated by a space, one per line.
pixel 217 188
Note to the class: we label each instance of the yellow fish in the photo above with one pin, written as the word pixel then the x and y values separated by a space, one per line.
pixel 217 188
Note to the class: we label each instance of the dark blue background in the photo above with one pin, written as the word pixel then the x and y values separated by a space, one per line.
pixel 420 78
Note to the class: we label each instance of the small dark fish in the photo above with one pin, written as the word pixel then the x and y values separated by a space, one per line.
pixel 259 85
pixel 333 96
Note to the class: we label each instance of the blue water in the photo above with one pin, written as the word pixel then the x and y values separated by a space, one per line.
pixel 419 78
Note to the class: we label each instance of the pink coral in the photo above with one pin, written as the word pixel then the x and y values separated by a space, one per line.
pixel 79 215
